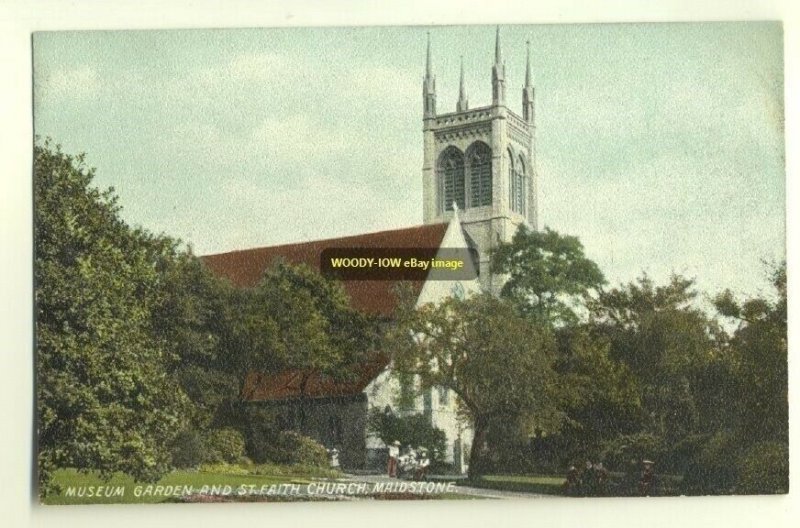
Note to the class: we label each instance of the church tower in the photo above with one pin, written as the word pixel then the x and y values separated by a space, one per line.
pixel 483 161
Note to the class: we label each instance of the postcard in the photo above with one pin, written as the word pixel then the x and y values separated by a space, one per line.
pixel 410 263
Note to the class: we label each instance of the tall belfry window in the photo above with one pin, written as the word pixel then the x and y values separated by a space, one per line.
pixel 520 186
pixel 512 180
pixel 479 156
pixel 451 178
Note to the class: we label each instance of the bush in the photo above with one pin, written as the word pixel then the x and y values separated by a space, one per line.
pixel 291 447
pixel 265 442
pixel 415 430
pixel 764 469
pixel 224 445
pixel 260 431
pixel 713 470
pixel 620 451
pixel 188 450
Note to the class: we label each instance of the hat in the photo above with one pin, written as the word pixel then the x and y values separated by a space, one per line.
pixel 648 462
pixel 421 448
pixel 396 443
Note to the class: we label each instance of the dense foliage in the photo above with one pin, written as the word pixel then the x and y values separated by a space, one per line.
pixel 548 273
pixel 456 345
pixel 104 396
pixel 621 374
pixel 141 352
pixel 410 430
pixel 225 445
pixel 267 442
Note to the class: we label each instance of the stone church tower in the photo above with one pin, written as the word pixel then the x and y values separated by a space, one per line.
pixel 483 161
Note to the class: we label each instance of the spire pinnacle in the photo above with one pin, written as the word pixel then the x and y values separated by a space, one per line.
pixel 527 91
pixel 428 57
pixel 498 75
pixel 528 66
pixel 429 84
pixel 497 59
pixel 463 104
pixel 461 80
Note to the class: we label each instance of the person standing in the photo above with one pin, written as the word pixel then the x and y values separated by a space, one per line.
pixel 421 472
pixel 588 480
pixel 601 480
pixel 394 454
pixel 572 483
pixel 647 484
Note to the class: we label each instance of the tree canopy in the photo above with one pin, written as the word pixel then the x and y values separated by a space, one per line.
pixel 547 272
pixel 490 355
pixel 104 398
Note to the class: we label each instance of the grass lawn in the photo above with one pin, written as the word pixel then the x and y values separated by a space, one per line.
pixel 233 476
pixel 551 485
pixel 544 484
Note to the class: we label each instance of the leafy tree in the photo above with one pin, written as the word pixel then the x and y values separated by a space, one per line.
pixel 759 345
pixel 491 356
pixel 602 396
pixel 189 320
pixel 296 319
pixel 104 398
pixel 552 279
pixel 547 272
pixel 670 346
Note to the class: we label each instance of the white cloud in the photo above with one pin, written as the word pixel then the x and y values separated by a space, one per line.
pixel 76 83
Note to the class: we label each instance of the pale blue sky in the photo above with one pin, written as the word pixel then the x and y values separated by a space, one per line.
pixel 660 146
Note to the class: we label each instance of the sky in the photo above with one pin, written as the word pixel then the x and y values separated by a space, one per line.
pixel 659 145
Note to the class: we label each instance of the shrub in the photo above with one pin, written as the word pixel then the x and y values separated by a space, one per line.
pixel 414 429
pixel 764 469
pixel 618 452
pixel 224 445
pixel 713 470
pixel 260 432
pixel 291 447
pixel 265 442
pixel 187 449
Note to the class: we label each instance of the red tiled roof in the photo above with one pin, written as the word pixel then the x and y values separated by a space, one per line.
pixel 246 267
pixel 286 385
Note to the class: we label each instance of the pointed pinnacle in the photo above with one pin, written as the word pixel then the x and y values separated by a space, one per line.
pixel 497 47
pixel 528 66
pixel 461 82
pixel 428 57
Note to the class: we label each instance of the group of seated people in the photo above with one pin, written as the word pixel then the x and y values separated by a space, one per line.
pixel 409 463
pixel 594 481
